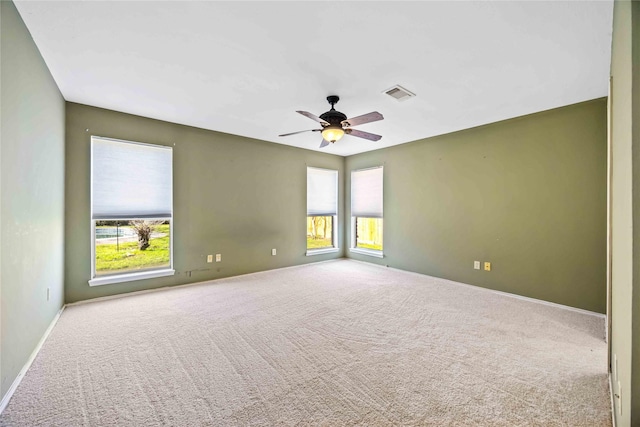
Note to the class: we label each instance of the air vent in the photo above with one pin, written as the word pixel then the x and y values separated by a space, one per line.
pixel 399 93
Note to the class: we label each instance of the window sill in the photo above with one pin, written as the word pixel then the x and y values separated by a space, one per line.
pixel 312 252
pixel 130 277
pixel 368 252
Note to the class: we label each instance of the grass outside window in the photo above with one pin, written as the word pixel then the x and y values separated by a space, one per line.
pixel 320 232
pixel 120 253
pixel 369 233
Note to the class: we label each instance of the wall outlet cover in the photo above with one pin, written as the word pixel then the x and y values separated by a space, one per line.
pixel 487 266
pixel 476 265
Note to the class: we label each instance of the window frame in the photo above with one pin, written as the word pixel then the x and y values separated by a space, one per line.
pixel 334 226
pixel 136 275
pixel 353 243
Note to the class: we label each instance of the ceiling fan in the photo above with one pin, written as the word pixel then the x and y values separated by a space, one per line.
pixel 335 124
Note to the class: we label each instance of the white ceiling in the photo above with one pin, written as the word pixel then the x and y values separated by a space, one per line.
pixel 245 67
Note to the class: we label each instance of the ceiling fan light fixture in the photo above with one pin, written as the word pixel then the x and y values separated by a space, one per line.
pixel 332 133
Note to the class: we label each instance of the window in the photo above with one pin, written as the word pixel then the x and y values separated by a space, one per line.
pixel 322 210
pixel 131 211
pixel 366 211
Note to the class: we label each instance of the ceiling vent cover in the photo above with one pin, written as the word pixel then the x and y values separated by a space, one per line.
pixel 399 93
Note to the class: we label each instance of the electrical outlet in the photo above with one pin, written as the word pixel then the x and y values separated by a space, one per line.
pixel 273 252
pixel 209 258
pixel 619 397
pixel 476 265
pixel 218 257
pixel 487 266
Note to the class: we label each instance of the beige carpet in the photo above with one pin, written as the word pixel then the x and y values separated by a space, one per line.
pixel 335 343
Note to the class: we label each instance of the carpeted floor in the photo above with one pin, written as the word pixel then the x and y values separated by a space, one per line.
pixel 334 343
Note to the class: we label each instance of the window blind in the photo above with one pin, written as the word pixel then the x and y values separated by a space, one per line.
pixel 366 193
pixel 130 180
pixel 322 192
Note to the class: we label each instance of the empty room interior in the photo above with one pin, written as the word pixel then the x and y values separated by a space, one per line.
pixel 319 213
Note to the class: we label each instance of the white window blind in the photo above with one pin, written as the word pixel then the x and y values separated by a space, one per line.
pixel 322 192
pixel 366 193
pixel 130 180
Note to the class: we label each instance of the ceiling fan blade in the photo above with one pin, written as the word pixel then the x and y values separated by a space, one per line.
pixel 361 134
pixel 301 131
pixel 324 143
pixel 313 117
pixel 365 118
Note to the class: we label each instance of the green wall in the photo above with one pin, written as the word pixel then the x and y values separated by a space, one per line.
pixel 625 213
pixel 232 195
pixel 527 194
pixel 31 196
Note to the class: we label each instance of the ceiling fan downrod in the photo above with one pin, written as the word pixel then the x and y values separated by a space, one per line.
pixel 333 99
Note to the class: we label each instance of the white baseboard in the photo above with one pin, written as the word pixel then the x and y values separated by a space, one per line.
pixel 185 285
pixel 25 368
pixel 540 301
pixel 164 288
pixel 535 300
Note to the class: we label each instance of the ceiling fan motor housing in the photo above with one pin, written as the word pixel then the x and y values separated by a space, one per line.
pixel 333 117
